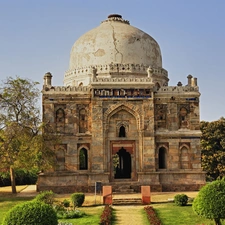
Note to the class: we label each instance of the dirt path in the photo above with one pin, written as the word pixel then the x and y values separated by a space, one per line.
pixel 129 215
pixel 29 191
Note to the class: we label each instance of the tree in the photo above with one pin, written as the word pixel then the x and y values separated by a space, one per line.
pixel 210 201
pixel 213 148
pixel 22 144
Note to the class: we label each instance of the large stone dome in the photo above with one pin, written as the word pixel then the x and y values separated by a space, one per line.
pixel 113 42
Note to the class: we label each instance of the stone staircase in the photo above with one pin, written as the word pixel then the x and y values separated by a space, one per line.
pixel 125 188
pixel 125 195
pixel 127 201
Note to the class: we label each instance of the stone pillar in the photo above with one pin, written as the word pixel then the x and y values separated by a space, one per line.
pixel 97 137
pixel 107 195
pixel 48 79
pixel 140 150
pixel 194 82
pixel 145 193
pixel 189 79
pixel 150 72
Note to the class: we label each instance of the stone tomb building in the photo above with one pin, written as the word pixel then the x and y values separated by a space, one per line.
pixel 120 122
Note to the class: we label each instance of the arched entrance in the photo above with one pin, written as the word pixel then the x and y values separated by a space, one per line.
pixel 122 164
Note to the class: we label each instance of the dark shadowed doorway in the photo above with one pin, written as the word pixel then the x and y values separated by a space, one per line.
pixel 123 165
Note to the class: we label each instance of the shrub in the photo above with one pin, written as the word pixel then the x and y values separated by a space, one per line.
pixel 70 214
pixel 181 199
pixel 61 206
pixel 30 213
pixel 46 197
pixel 77 199
pixel 210 201
pixel 66 203
pixel 106 216
pixel 58 206
pixel 152 217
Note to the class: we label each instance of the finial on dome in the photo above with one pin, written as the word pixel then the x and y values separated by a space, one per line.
pixel 114 15
pixel 116 18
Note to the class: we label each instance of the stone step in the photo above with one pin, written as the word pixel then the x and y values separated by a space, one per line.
pixel 124 190
pixel 124 187
pixel 127 201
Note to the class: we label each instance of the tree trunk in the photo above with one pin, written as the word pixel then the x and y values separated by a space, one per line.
pixel 13 180
pixel 217 221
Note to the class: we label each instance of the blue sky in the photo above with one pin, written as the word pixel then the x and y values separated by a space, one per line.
pixel 37 36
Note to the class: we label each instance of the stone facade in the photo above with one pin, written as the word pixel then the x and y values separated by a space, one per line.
pixel 119 120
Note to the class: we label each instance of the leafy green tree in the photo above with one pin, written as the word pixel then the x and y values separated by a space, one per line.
pixel 22 144
pixel 210 201
pixel 213 148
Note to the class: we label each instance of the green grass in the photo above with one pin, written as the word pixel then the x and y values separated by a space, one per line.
pixel 92 216
pixel 92 213
pixel 8 202
pixel 169 214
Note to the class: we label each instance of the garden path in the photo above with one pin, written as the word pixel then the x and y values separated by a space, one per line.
pixel 29 191
pixel 129 215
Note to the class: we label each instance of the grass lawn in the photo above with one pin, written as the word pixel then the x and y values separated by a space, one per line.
pixel 8 200
pixel 92 217
pixel 169 214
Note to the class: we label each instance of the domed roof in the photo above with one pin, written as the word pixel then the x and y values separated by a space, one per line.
pixel 115 41
pixel 114 49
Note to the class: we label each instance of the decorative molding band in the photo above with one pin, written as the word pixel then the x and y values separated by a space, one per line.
pixel 116 68
pixel 178 89
pixel 86 89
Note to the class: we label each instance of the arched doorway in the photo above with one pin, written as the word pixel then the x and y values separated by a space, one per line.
pixel 122 164
pixel 162 158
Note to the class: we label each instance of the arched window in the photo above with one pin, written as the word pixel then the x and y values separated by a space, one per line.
pixel 82 121
pixel 183 113
pixel 184 158
pixel 122 132
pixel 60 116
pixel 183 118
pixel 83 159
pixel 162 158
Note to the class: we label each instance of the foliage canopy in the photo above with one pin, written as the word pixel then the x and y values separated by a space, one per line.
pixel 22 143
pixel 213 148
pixel 210 201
